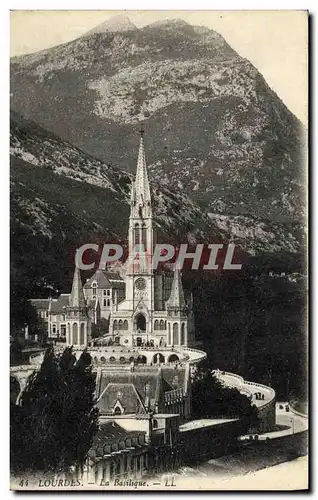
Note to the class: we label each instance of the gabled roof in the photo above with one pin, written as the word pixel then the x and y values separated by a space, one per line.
pixel 158 382
pixel 105 279
pixel 123 394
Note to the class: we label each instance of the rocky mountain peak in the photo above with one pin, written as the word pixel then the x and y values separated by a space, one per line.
pixel 170 23
pixel 113 25
pixel 217 132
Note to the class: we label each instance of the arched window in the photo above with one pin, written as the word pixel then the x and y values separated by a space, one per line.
pixel 140 322
pixel 75 334
pixel 155 424
pixel 122 360
pixel 182 334
pixel 115 325
pixel 117 411
pixel 162 324
pixel 125 325
pixel 144 236
pixel 175 334
pixel 158 358
pixel 108 302
pixel 173 358
pixel 120 325
pixel 112 359
pixel 156 325
pixel 82 336
pixel 142 359
pixel 136 234
pixel 103 360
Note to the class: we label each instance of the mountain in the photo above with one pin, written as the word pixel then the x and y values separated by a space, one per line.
pixel 114 24
pixel 58 190
pixel 215 130
pixel 65 194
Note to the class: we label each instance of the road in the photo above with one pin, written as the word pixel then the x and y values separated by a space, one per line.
pixel 290 422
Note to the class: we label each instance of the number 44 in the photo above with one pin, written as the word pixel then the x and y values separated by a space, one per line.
pixel 23 482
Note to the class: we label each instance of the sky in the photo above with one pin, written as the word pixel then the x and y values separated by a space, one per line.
pixel 275 41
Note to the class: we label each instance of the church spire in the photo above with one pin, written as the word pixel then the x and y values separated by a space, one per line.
pixel 141 185
pixel 176 299
pixel 77 298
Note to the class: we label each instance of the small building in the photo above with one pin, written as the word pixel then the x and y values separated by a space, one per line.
pixel 116 453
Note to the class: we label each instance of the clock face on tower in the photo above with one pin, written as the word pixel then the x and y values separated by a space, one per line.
pixel 140 284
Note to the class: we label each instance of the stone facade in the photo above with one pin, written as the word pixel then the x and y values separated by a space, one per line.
pixel 147 315
pixel 142 305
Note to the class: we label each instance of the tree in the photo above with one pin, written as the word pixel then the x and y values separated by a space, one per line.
pixel 99 329
pixel 16 353
pixel 210 398
pixel 57 420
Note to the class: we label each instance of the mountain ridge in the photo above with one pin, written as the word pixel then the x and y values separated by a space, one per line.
pixel 214 129
pixel 114 24
pixel 51 159
pixel 241 151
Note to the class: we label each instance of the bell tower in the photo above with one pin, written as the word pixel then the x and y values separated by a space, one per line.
pixel 78 323
pixel 140 275
pixel 177 312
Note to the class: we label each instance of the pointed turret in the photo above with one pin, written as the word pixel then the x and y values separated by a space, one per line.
pixel 132 193
pixel 140 191
pixel 77 298
pixel 176 299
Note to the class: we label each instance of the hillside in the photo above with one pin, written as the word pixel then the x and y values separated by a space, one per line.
pixel 64 194
pixel 215 130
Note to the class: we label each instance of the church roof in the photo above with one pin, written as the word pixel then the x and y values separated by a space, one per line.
pixel 122 394
pixel 105 279
pixel 158 382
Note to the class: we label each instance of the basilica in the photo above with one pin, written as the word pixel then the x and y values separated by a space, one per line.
pixel 144 357
pixel 140 305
